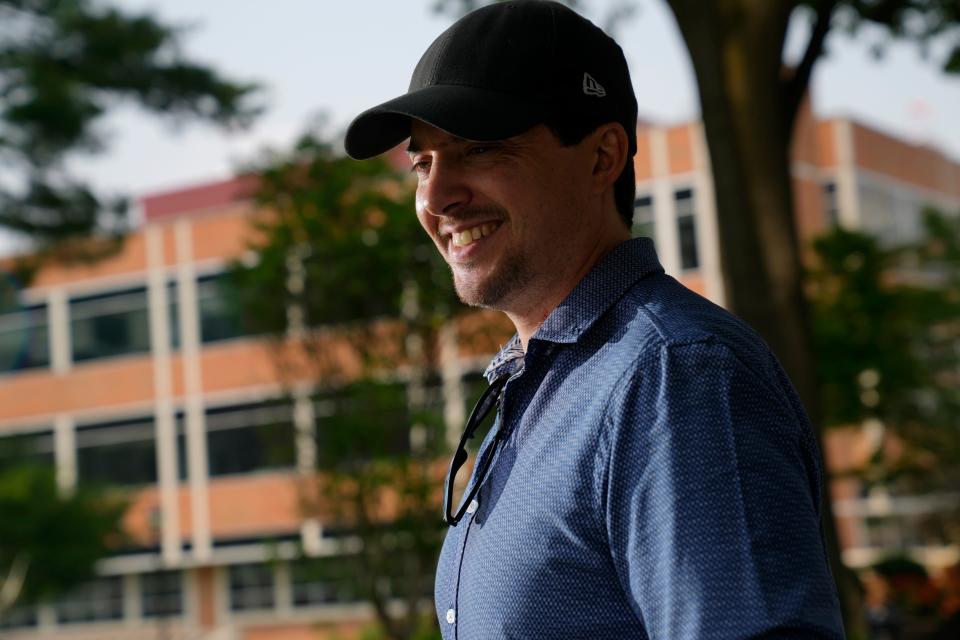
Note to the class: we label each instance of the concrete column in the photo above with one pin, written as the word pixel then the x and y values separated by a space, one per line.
pixel 306 446
pixel 283 590
pixel 46 620
pixel 197 467
pixel 132 610
pixel 451 373
pixel 848 191
pixel 58 322
pixel 165 424
pixel 65 451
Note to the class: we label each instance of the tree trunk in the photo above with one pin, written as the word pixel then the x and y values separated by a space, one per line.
pixel 735 47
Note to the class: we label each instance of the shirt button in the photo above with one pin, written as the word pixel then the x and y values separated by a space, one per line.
pixel 472 507
pixel 451 616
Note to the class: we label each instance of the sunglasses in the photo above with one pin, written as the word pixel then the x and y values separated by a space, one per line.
pixel 491 398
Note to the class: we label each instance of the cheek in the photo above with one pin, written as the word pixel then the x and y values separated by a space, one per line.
pixel 420 206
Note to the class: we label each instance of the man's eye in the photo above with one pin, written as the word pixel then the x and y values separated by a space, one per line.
pixel 479 149
pixel 421 167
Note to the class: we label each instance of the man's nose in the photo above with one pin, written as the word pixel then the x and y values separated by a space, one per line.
pixel 444 191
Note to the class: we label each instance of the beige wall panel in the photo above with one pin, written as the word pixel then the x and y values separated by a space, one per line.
pixel 124 380
pixel 826 144
pixel 641 161
pixel 206 597
pixel 808 210
pixel 109 631
pixel 169 246
pixel 849 530
pixel 236 363
pixel 319 631
pixel 258 504
pixel 176 366
pixel 680 149
pixel 805 140
pixel 916 165
pixel 131 258
pixel 694 282
pixel 223 236
pixel 139 519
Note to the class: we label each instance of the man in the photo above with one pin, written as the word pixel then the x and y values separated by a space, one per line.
pixel 651 473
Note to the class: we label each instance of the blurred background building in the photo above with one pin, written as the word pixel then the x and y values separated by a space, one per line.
pixel 135 372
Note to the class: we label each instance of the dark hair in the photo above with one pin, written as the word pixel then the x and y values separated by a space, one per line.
pixel 570 131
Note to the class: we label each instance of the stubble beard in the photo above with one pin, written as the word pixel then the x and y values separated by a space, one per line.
pixel 510 276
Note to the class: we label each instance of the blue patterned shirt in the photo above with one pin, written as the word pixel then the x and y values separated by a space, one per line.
pixel 659 479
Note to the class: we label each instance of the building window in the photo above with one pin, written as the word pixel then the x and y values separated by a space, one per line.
pixel 117 453
pixel 643 224
pixel 220 318
pixel 251 587
pixel 246 438
pixel 161 594
pixel 830 207
pixel 19 618
pixel 323 581
pixel 686 228
pixel 173 315
pixel 27 449
pixel 98 600
pixel 109 324
pixel 24 338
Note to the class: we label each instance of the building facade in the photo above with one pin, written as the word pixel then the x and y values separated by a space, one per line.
pixel 133 371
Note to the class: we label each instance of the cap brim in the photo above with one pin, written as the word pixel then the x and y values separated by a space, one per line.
pixel 466 112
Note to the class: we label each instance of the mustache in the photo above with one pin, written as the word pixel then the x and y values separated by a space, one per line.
pixel 472 214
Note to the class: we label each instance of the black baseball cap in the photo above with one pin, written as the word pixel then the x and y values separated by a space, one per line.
pixel 501 70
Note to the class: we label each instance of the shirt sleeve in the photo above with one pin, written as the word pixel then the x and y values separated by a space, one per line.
pixel 711 495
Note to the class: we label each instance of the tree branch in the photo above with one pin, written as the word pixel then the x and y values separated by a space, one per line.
pixel 795 85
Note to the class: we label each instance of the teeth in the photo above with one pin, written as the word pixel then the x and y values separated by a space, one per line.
pixel 463 238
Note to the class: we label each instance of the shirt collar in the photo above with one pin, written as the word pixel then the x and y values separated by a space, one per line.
pixel 594 294
pixel 507 360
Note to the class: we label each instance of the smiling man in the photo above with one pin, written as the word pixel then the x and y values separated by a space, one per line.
pixel 651 473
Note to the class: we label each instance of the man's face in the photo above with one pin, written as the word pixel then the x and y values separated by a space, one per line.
pixel 507 216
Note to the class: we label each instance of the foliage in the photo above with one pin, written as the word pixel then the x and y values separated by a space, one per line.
pixel 340 243
pixel 909 589
pixel 63 65
pixel 892 566
pixel 344 272
pixel 918 20
pixel 50 539
pixel 887 327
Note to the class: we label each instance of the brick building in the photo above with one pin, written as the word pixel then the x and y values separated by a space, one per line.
pixel 132 371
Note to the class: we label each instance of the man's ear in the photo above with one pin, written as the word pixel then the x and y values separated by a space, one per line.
pixel 610 154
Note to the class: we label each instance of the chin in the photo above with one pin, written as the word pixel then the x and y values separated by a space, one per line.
pixel 494 285
pixel 493 291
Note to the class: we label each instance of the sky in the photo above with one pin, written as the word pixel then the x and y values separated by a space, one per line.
pixel 338 58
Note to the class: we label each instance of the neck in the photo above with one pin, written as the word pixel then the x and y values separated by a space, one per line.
pixel 528 319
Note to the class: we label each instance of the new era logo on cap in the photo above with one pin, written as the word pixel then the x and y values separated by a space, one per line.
pixel 591 87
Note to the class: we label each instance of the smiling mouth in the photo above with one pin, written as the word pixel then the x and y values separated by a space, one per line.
pixel 471 235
